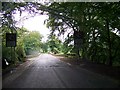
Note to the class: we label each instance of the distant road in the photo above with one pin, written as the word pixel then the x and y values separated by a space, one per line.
pixel 47 71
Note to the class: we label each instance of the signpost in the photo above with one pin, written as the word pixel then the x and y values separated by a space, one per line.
pixel 11 41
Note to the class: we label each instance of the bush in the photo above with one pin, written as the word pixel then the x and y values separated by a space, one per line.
pixel 20 53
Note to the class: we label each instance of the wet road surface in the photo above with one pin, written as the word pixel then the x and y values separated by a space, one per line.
pixel 47 71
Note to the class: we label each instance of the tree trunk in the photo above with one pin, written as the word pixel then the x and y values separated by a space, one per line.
pixel 109 44
pixel 78 41
pixel 94 48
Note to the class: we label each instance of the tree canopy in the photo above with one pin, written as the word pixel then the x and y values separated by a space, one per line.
pixel 95 26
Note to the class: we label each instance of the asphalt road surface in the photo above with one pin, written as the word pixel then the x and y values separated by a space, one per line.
pixel 47 71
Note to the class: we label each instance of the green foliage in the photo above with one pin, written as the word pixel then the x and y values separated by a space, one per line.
pixel 25 41
pixel 7 52
pixel 54 44
pixel 20 50
pixel 44 47
pixel 32 41
pixel 96 23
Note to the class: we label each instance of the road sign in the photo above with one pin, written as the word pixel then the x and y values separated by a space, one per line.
pixel 78 34
pixel 10 39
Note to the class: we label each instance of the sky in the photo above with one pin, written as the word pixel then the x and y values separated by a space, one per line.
pixel 35 23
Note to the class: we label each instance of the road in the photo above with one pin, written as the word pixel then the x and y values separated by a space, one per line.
pixel 47 71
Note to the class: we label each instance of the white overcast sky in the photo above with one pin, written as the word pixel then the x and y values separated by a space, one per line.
pixel 35 23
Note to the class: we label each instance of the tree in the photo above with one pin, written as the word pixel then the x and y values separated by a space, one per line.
pixel 97 26
pixel 32 42
pixel 54 44
pixel 94 21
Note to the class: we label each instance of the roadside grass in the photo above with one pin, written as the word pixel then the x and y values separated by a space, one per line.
pixel 13 66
